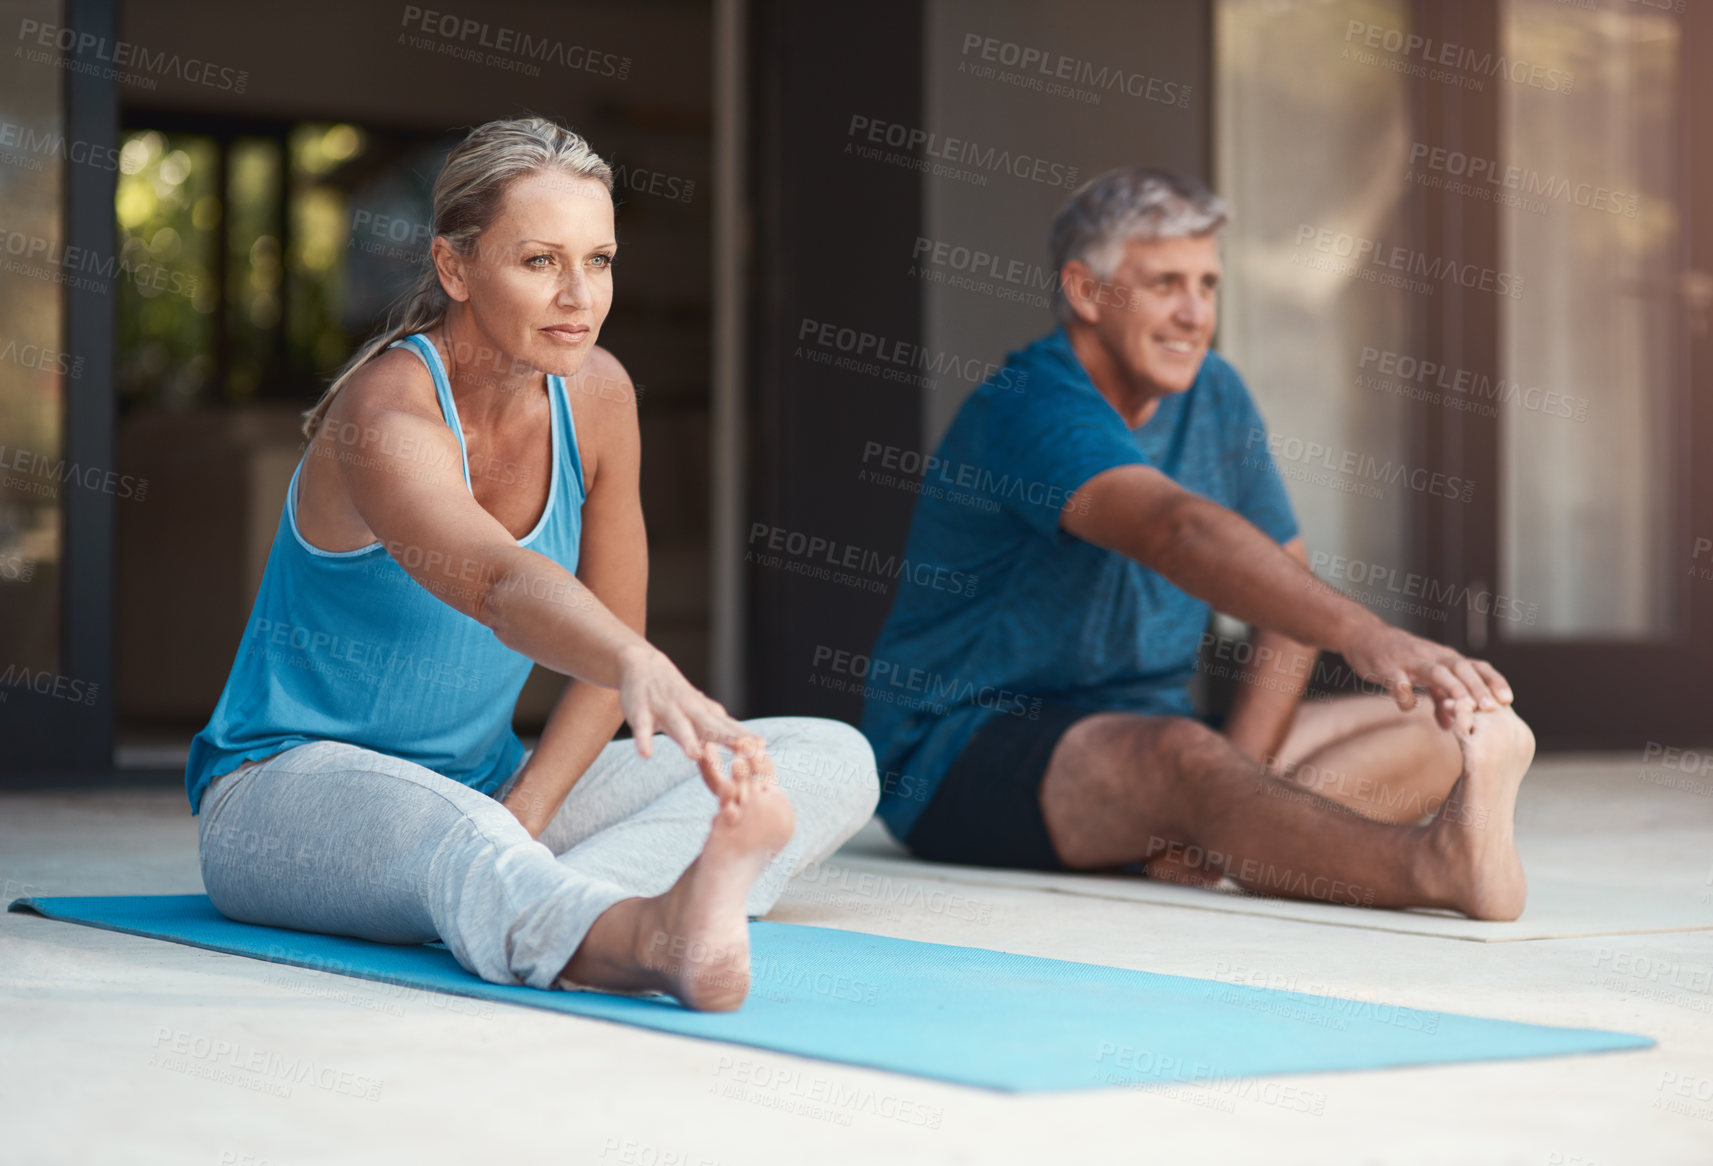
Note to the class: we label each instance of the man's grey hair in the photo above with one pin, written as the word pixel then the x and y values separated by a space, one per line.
pixel 1137 203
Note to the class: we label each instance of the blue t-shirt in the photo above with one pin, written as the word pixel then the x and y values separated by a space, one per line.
pixel 1055 618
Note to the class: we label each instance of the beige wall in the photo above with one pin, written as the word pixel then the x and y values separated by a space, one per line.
pixel 1160 41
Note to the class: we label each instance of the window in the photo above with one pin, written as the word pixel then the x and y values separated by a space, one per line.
pixel 259 243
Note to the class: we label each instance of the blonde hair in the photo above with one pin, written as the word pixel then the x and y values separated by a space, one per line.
pixel 466 198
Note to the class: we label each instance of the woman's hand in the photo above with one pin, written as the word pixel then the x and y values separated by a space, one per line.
pixel 656 698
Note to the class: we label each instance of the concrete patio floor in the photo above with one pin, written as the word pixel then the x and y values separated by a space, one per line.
pixel 87 1076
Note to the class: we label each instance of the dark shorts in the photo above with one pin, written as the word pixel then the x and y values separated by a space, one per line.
pixel 987 809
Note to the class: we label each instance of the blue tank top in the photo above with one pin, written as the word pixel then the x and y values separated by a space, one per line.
pixel 345 646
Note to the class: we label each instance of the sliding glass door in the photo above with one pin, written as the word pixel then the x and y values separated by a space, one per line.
pixel 1467 281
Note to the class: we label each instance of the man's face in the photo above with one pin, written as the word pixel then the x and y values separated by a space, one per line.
pixel 1156 314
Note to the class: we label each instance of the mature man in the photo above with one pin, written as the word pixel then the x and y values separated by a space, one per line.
pixel 1105 509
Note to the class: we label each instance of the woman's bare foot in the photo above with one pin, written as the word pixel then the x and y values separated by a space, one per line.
pixel 693 941
pixel 1471 837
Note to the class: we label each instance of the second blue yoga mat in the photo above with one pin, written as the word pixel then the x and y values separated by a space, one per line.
pixel 960 1014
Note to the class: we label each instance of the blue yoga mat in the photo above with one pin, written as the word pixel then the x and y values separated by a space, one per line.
pixel 960 1014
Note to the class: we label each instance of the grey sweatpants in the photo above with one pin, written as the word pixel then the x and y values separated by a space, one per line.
pixel 333 838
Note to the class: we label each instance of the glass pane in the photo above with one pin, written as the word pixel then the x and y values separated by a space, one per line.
pixel 168 212
pixel 33 370
pixel 1313 149
pixel 316 265
pixel 1591 216
pixel 254 267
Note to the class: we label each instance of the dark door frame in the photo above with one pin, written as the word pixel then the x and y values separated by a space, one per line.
pixel 47 735
pixel 816 217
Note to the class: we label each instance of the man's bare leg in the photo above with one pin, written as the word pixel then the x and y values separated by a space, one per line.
pixel 692 941
pixel 1365 754
pixel 1122 788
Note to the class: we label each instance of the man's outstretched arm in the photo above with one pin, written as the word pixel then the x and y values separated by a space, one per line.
pixel 1265 704
pixel 1218 556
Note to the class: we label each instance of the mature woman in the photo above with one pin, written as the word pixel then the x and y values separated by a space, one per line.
pixel 468 504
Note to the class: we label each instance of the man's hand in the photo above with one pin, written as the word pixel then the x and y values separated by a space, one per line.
pixel 1382 654
pixel 1218 556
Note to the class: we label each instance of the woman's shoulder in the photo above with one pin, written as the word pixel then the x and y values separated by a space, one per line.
pixel 603 404
pixel 604 383
pixel 394 380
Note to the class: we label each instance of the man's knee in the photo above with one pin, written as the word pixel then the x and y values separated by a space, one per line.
pixel 1119 755
pixel 1182 741
pixel 1114 787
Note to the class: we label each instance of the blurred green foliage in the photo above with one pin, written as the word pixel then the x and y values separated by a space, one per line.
pixel 280 312
pixel 168 211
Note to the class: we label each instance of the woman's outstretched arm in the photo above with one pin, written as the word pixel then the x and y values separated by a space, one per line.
pixel 406 484
pixel 612 563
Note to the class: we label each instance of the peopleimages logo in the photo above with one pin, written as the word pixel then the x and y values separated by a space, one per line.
pixel 378 664
pixel 914 140
pixel 34 356
pixel 813 550
pixel 125 55
pixel 1413 47
pixel 52 144
pixel 67 472
pixel 1349 463
pixel 1406 369
pixel 900 360
pixel 46 683
pixel 877 676
pixel 1523 180
pixel 1058 74
pixel 54 261
pixel 465 37
pixel 266 1070
pixel 1436 595
pixel 972 269
pixel 986 485
pixel 1364 252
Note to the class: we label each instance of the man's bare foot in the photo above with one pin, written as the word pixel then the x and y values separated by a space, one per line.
pixel 1471 837
pixel 693 941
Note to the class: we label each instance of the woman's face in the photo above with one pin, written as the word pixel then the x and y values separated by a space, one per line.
pixel 541 279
